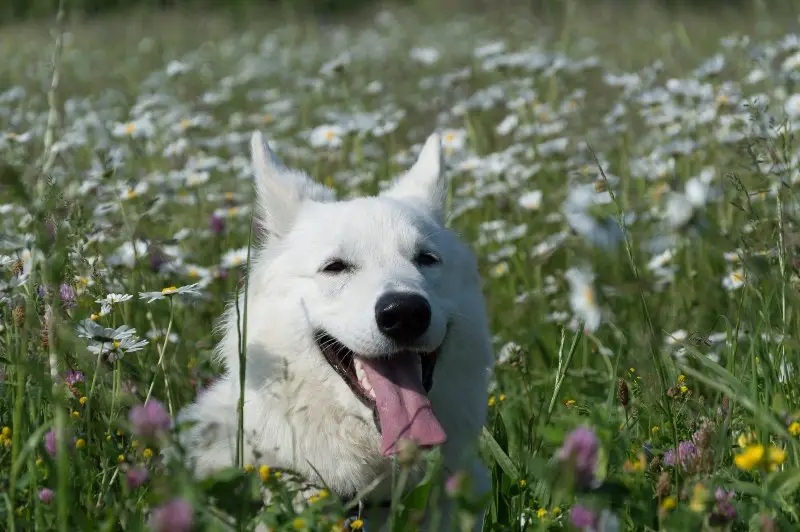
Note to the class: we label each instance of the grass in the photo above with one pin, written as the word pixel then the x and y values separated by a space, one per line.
pixel 691 320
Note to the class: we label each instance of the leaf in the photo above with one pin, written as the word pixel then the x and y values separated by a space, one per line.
pixel 417 498
pixel 784 483
pixel 500 457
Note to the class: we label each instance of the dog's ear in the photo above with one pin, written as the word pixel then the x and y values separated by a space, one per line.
pixel 280 191
pixel 425 181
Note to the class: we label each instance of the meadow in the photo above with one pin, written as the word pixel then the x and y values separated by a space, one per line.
pixel 627 177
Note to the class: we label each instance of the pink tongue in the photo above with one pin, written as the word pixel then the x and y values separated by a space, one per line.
pixel 403 407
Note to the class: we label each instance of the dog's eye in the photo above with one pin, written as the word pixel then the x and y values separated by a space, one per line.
pixel 426 258
pixel 335 266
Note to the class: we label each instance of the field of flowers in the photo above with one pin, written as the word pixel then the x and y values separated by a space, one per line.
pixel 631 196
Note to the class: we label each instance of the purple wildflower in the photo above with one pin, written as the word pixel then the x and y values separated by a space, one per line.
pixel 669 457
pixel 686 454
pixel 217 224
pixel 580 448
pixel 67 295
pixel 46 495
pixel 175 516
pixel 149 420
pixel 582 517
pixel 156 257
pixel 724 512
pixel 136 476
pixel 50 443
pixel 687 451
pixel 73 377
pixel 455 484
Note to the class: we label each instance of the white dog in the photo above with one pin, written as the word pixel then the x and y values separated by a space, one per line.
pixel 365 325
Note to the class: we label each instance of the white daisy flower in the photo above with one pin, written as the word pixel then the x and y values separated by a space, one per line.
pixel 734 280
pixel 326 136
pixel 234 258
pixel 426 56
pixel 531 200
pixel 583 298
pixel 170 291
pixel 454 140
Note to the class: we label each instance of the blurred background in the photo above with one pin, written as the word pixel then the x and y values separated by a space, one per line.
pixel 11 10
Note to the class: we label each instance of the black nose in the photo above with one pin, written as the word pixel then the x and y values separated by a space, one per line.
pixel 403 317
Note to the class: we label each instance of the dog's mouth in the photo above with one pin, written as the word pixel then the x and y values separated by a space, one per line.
pixel 395 388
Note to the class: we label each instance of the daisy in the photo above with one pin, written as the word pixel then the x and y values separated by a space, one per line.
pixel 507 125
pixel 110 300
pixel 115 350
pixel 168 292
pixel 605 233
pixel 139 128
pixel 583 299
pixel 94 331
pixel 326 136
pixel 426 56
pixel 531 200
pixel 454 140
pixel 734 280
pixel 234 258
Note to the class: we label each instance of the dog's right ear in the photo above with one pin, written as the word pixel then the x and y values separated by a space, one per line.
pixel 281 191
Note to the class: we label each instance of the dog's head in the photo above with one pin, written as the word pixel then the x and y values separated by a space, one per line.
pixel 373 290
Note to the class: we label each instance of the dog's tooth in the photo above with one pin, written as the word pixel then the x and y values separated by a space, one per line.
pixel 371 393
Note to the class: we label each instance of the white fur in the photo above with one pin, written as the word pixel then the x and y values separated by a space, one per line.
pixel 299 414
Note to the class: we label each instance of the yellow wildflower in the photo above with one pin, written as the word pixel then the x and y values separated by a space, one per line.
pixel 776 457
pixel 299 523
pixel 699 497
pixel 358 524
pixel 541 513
pixel 794 428
pixel 745 439
pixel 249 467
pixel 147 453
pixel 750 457
pixel 492 400
pixel 669 503
pixel 263 473
pixel 635 467
pixel 80 443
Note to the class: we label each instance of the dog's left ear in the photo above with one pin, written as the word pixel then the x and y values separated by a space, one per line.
pixel 281 191
pixel 425 181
